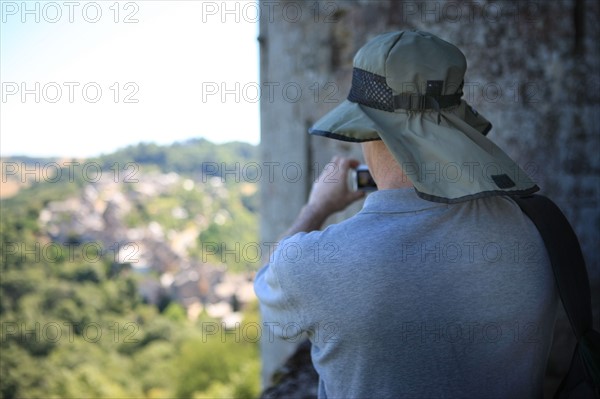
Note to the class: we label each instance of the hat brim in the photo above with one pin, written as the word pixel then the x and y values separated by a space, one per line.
pixel 445 154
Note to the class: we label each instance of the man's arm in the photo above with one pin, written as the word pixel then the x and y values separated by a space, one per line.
pixel 328 195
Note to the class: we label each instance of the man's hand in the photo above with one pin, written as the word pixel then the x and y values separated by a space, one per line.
pixel 330 192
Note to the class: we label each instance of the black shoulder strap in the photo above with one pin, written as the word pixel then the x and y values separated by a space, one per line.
pixel 583 378
pixel 567 260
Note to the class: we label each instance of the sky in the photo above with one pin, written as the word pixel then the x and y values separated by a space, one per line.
pixel 82 78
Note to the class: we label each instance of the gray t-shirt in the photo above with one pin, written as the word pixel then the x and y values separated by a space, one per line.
pixel 411 298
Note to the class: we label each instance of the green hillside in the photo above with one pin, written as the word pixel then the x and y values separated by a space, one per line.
pixel 97 298
pixel 188 157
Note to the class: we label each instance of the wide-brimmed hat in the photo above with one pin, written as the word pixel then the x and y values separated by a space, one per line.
pixel 407 91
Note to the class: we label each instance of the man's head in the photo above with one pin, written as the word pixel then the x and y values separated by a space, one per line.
pixel 406 91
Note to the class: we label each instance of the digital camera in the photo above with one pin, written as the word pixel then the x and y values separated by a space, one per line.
pixel 362 179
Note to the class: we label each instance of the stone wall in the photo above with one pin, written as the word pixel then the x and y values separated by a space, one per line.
pixel 534 72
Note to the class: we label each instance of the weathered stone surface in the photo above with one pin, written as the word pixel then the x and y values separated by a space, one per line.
pixel 534 72
pixel 296 379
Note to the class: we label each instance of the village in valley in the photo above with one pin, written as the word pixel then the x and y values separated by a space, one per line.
pixel 153 224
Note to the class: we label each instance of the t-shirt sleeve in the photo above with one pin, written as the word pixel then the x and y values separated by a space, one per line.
pixel 277 305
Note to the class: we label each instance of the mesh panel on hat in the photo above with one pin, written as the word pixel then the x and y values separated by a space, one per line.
pixel 371 90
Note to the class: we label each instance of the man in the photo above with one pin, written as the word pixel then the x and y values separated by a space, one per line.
pixel 440 285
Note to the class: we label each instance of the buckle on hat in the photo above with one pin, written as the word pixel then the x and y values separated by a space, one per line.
pixel 422 103
pixel 416 102
pixel 411 102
